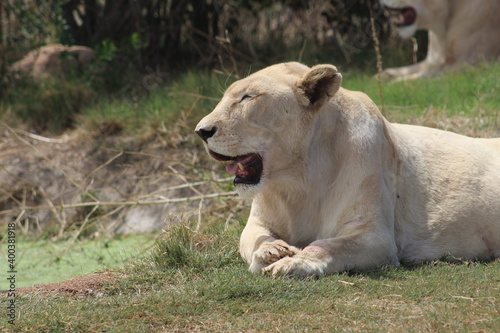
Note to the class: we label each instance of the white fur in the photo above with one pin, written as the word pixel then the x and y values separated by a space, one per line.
pixel 343 189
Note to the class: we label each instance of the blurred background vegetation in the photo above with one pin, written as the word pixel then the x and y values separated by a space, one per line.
pixel 140 44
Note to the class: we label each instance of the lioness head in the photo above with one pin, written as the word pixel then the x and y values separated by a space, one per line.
pixel 412 15
pixel 258 128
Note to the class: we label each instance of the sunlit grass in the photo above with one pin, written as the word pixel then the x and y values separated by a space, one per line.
pixel 466 93
pixel 44 261
pixel 459 93
pixel 194 291
pixel 189 97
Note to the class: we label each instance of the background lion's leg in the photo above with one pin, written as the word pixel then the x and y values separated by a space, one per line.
pixel 412 71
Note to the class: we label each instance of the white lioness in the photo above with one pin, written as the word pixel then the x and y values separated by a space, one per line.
pixel 337 187
pixel 460 32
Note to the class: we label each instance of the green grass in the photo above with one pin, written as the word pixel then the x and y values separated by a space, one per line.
pixel 460 93
pixel 185 99
pixel 146 105
pixel 195 281
pixel 44 261
pixel 47 106
pixel 468 93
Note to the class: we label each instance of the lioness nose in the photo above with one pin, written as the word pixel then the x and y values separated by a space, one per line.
pixel 206 133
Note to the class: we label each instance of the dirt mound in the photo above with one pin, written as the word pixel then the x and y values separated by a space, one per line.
pixel 89 285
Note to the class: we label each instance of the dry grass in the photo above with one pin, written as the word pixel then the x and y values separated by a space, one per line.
pixel 74 186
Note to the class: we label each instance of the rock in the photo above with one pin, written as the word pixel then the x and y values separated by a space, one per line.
pixel 52 60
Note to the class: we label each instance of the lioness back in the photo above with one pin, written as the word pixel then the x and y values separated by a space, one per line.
pixel 448 186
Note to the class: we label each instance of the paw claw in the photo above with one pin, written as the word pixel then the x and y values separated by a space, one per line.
pixel 269 253
pixel 295 267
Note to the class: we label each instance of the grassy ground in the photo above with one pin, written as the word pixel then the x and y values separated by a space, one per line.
pixel 471 93
pixel 195 281
pixel 157 102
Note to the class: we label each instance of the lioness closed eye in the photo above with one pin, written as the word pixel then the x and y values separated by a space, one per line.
pixel 337 187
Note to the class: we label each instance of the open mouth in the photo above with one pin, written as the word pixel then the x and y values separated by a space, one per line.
pixel 403 17
pixel 247 169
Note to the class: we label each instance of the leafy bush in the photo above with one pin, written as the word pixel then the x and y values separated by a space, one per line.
pixel 48 106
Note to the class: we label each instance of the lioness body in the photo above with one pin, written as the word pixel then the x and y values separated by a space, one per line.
pixel 449 195
pixel 343 189
pixel 459 32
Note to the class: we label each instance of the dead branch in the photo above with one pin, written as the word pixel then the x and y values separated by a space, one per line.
pixel 130 203
pixel 41 138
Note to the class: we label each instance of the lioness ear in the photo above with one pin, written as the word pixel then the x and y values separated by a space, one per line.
pixel 319 84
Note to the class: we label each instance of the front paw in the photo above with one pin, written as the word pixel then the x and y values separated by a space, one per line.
pixel 296 267
pixel 271 252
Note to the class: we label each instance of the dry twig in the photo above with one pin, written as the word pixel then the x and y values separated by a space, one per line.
pixel 132 203
pixel 379 59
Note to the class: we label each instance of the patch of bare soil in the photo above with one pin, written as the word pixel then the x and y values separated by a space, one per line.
pixel 88 285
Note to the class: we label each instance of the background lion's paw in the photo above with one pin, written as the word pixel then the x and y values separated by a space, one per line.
pixel 295 267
